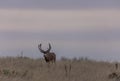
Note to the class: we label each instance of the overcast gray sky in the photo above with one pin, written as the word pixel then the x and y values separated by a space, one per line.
pixel 60 4
pixel 75 28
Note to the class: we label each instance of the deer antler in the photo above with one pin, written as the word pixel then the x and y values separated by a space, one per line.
pixel 39 46
pixel 47 51
pixel 48 48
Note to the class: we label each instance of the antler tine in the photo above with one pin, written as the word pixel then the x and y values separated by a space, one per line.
pixel 49 48
pixel 49 45
pixel 39 46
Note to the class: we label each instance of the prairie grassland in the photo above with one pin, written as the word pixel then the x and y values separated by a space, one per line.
pixel 26 69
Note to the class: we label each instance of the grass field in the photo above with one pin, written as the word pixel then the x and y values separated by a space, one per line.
pixel 26 69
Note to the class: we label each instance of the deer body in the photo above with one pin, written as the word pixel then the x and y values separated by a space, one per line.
pixel 48 56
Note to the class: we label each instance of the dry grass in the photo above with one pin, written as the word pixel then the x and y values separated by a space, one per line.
pixel 26 69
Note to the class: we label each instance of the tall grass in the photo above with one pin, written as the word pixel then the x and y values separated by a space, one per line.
pixel 26 69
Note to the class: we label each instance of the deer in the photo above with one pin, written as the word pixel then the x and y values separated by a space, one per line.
pixel 48 56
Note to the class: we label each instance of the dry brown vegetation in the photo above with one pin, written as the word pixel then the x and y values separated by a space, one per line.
pixel 26 69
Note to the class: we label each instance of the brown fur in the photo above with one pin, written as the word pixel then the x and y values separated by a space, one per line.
pixel 50 57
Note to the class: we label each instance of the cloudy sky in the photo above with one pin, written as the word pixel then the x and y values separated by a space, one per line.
pixel 75 28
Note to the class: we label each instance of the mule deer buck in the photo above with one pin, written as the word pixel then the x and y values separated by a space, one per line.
pixel 48 56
